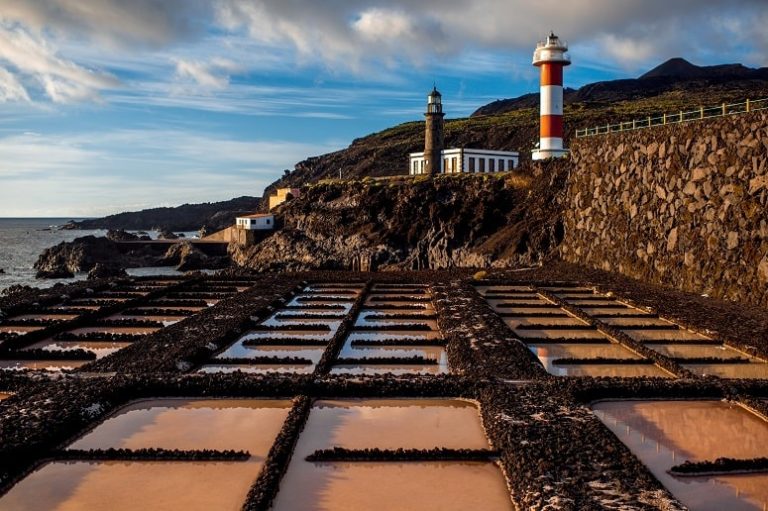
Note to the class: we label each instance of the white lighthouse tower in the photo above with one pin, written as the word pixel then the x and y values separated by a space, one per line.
pixel 550 57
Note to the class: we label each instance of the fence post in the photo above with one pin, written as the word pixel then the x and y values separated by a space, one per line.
pixel 724 109
pixel 665 118
pixel 634 124
pixel 747 105
pixel 702 112
pixel 681 116
pixel 649 121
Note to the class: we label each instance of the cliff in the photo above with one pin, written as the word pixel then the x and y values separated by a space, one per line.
pixel 415 223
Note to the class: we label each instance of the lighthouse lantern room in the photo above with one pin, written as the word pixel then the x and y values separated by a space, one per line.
pixel 550 56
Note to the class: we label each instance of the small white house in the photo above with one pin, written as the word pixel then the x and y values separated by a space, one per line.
pixel 256 222
pixel 455 161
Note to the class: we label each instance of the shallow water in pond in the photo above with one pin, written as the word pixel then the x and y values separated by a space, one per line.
pixel 556 333
pixel 392 424
pixel 667 433
pixel 395 323
pixel 695 350
pixel 21 329
pixel 432 352
pixel 100 348
pixel 394 334
pixel 484 290
pixel 613 370
pixel 568 320
pixel 130 486
pixel 397 370
pixel 548 353
pixel 237 350
pixel 46 365
pixel 134 330
pixel 626 322
pixel 413 486
pixel 664 335
pixel 166 320
pixel 755 370
pixel 59 317
pixel 612 312
pixel 256 368
pixel 241 424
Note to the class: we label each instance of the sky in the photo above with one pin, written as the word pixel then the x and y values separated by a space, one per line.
pixel 116 105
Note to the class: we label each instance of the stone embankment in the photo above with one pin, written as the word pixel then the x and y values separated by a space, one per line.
pixel 684 206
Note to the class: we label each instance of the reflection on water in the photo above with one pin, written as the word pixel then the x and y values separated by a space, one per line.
pixel 393 487
pixel 756 370
pixel 695 350
pixel 548 353
pixel 130 486
pixel 392 424
pixel 256 368
pixel 664 335
pixel 610 370
pixel 240 424
pixel 559 334
pixel 100 348
pixel 237 350
pixel 397 370
pixel 46 365
pixel 667 433
pixel 191 424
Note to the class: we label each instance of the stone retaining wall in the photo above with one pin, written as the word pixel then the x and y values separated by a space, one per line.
pixel 683 205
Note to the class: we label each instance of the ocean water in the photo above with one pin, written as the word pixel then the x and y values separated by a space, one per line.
pixel 22 240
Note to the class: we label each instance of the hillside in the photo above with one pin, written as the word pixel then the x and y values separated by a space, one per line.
pixel 512 124
pixel 189 217
pixel 416 223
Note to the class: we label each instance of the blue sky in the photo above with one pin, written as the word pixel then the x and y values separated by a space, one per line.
pixel 109 105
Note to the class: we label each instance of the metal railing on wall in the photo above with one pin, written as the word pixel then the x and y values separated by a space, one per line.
pixel 676 118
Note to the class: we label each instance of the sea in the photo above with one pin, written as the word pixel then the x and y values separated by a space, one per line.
pixel 22 240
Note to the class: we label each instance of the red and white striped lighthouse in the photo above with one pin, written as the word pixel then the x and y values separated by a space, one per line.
pixel 551 57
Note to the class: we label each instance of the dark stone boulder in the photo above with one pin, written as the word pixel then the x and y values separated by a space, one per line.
pixel 121 235
pixel 106 271
pixel 187 257
pixel 55 273
pixel 165 234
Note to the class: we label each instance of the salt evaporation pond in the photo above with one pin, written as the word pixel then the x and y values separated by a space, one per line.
pixel 240 424
pixel 663 434
pixel 384 486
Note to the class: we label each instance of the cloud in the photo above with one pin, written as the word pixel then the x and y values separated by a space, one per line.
pixel 10 88
pixel 358 34
pixel 114 22
pixel 36 59
pixel 210 76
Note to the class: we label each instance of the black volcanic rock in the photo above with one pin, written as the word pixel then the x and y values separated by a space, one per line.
pixel 186 257
pixel 165 234
pixel 106 270
pixel 121 235
pixel 84 253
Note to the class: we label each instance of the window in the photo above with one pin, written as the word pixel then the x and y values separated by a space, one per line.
pixel 471 164
pixel 501 165
pixel 445 165
pixel 453 164
pixel 269 221
pixel 491 165
pixel 511 164
pixel 482 164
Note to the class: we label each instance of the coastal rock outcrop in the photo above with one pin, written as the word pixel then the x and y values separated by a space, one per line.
pixel 106 270
pixel 186 257
pixel 417 223
pixel 82 254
